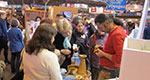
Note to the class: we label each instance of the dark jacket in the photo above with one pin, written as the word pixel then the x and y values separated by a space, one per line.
pixel 90 30
pixel 147 33
pixel 3 28
pixel 81 42
pixel 59 39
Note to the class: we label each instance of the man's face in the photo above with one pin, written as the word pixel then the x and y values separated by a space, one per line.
pixel 104 27
pixel 3 16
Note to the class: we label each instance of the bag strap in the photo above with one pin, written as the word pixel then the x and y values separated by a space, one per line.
pixel 91 51
pixel 94 39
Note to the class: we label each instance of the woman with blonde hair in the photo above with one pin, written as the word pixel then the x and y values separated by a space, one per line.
pixel 63 41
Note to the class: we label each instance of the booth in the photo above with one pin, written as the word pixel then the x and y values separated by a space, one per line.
pixel 135 60
pixel 30 23
pixel 67 11
pixel 31 14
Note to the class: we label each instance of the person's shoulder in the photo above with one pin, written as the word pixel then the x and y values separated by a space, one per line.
pixel 119 32
pixel 48 54
pixel 1 21
pixel 148 28
pixel 15 29
pixel 58 35
pixel 18 29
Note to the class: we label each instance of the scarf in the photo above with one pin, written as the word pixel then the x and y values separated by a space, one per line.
pixel 66 43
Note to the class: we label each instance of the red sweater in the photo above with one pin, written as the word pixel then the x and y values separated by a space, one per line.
pixel 114 46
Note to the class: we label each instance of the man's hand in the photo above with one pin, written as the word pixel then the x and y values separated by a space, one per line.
pixel 99 52
pixel 98 47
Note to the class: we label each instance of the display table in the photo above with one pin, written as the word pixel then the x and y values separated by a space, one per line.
pixel 77 71
pixel 69 77
pixel 113 79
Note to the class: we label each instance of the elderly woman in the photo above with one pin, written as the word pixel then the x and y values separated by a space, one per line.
pixel 63 41
pixel 16 44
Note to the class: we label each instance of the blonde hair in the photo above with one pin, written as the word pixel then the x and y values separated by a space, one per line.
pixel 63 25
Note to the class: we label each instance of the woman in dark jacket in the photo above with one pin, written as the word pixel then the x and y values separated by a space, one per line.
pixel 80 37
pixel 63 41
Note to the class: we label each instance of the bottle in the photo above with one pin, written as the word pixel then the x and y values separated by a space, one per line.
pixel 75 58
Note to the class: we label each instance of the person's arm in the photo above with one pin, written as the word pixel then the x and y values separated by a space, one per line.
pixel 65 51
pixel 9 34
pixel 57 52
pixel 53 67
pixel 103 54
pixel 4 26
pixel 117 43
pixel 20 35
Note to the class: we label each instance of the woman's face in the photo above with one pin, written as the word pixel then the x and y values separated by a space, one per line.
pixel 38 19
pixel 66 33
pixel 3 16
pixel 80 27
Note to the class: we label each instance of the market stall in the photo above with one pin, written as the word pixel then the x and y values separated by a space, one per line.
pixel 68 12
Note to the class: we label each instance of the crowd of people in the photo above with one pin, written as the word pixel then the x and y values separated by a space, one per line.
pixel 51 45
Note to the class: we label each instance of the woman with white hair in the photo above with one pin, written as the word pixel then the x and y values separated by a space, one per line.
pixel 63 41
pixel 16 44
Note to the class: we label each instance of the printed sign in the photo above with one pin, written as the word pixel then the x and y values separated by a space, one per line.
pixel 116 5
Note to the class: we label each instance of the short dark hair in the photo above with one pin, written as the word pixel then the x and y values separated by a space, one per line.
pixel 102 18
pixel 79 21
pixel 75 19
pixel 118 22
pixel 37 18
pixel 41 39
pixel 14 23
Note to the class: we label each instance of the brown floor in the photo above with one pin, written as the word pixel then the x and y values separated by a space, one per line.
pixel 7 74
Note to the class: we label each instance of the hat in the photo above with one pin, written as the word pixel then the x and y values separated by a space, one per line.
pixel 2 11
